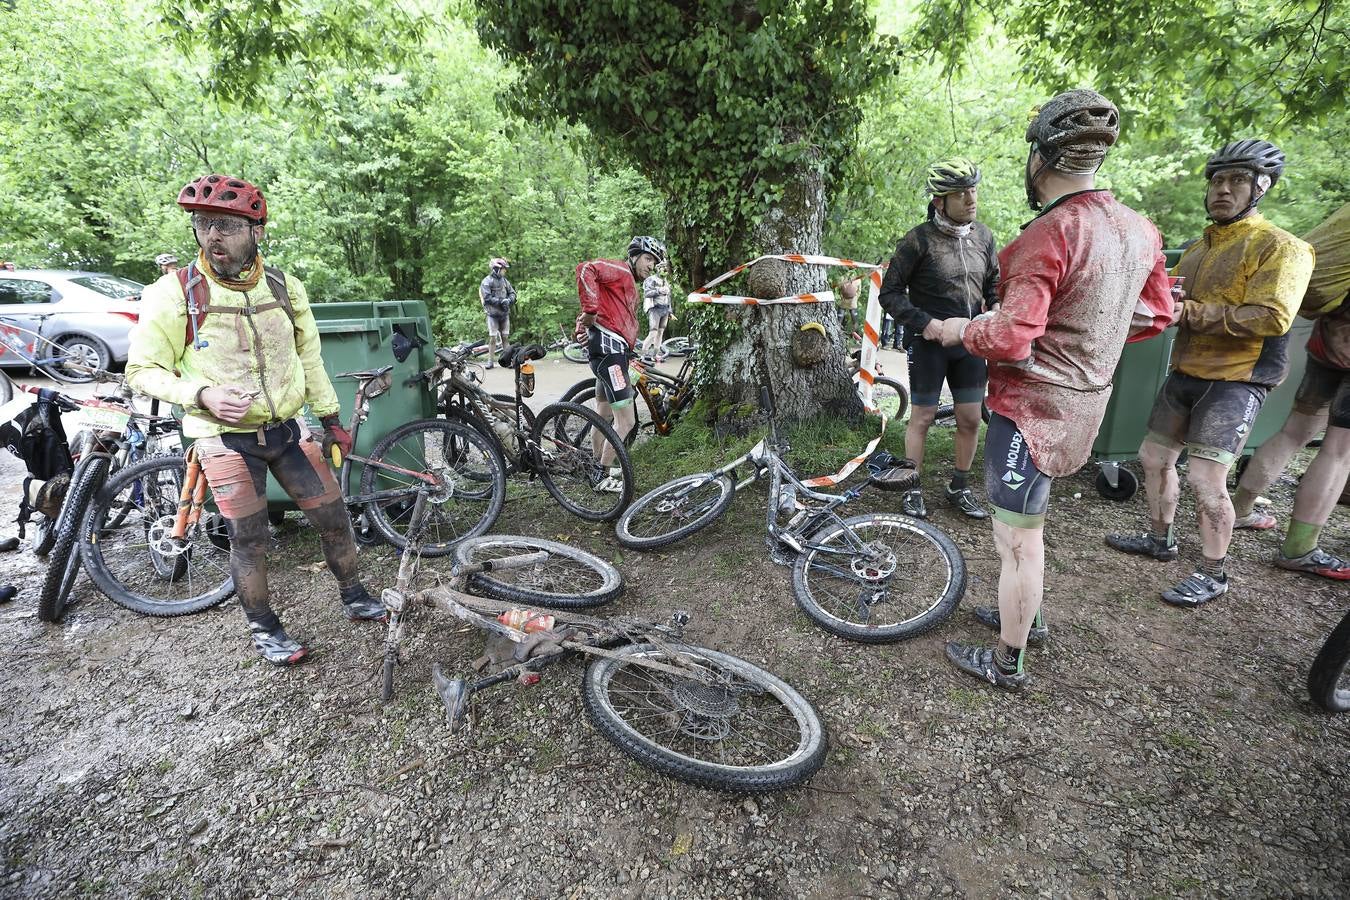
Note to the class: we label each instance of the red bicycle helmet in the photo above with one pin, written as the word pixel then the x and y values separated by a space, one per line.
pixel 224 194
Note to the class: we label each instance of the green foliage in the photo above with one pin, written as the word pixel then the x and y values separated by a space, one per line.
pixel 1251 65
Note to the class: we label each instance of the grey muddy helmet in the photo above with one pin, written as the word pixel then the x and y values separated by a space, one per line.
pixel 1256 156
pixel 1072 132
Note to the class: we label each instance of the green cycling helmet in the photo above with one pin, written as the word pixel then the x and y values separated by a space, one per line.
pixel 948 176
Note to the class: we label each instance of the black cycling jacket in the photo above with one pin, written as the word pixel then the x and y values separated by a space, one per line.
pixel 936 276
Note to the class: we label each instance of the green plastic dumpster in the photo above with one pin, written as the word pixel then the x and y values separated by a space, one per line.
pixel 1142 369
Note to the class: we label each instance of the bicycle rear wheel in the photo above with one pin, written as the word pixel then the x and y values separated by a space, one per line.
pixel 584 395
pixel 471 483
pixel 726 724
pixel 130 552
pixel 879 577
pixel 675 510
pixel 678 346
pixel 577 353
pixel 571 439
pixel 569 579
pixel 63 562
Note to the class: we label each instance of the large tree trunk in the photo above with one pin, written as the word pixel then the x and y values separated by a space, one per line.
pixel 816 379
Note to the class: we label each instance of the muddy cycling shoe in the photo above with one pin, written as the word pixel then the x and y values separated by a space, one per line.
pixel 1143 544
pixel 1256 521
pixel 276 646
pixel 1196 589
pixel 911 504
pixel 359 605
pixel 1316 562
pixel 9 544
pixel 979 661
pixel 990 616
pixel 612 483
pixel 965 501
pixel 8 592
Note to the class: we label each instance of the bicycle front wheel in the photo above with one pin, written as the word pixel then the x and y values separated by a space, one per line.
pixel 470 483
pixel 63 562
pixel 577 353
pixel 879 577
pixel 569 579
pixel 717 721
pixel 675 510
pixel 132 556
pixel 571 441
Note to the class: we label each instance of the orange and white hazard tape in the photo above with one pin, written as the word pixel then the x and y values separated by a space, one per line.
pixel 867 362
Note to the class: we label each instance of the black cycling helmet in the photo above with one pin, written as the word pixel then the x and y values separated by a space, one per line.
pixel 1258 157
pixel 947 176
pixel 1261 157
pixel 644 244
pixel 1072 132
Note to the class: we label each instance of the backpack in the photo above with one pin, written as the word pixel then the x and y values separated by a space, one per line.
pixel 197 296
pixel 37 437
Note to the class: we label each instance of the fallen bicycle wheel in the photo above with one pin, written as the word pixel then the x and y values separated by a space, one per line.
pixel 674 511
pixel 704 717
pixel 569 579
pixel 879 577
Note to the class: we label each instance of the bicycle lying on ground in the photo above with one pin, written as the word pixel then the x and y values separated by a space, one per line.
pixel 698 715
pixel 874 578
pixel 562 445
pixel 154 544
pixel 1329 677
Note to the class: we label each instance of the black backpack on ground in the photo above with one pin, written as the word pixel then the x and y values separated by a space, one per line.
pixel 37 437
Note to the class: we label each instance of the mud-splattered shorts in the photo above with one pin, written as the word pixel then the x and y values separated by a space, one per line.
pixel 1017 490
pixel 1211 419
pixel 236 468
pixel 1324 388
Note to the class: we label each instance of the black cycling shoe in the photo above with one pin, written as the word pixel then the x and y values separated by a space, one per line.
pixel 276 646
pixel 1144 544
pixel 1196 589
pixel 964 500
pixel 989 615
pixel 979 661
pixel 359 605
pixel 911 504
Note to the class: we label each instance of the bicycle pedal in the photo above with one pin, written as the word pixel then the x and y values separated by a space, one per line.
pixel 783 556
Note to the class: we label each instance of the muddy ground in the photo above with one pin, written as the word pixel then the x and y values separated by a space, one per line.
pixel 1159 752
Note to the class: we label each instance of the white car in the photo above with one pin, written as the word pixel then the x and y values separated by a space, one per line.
pixel 88 314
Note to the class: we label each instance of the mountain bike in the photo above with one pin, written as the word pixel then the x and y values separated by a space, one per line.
pixel 113 435
pixel 666 396
pixel 169 556
pixel 874 578
pixel 1329 677
pixel 697 715
pixel 678 346
pixel 562 445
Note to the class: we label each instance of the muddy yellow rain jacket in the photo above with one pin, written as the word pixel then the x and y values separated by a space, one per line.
pixel 1244 284
pixel 1328 297
pixel 261 352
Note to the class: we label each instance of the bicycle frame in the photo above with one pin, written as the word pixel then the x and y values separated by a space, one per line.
pixel 679 387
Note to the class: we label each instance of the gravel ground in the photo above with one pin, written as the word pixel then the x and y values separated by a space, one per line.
pixel 1158 752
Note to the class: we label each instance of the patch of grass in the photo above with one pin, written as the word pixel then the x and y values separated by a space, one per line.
pixel 1180 740
pixel 164 766
pixel 967 699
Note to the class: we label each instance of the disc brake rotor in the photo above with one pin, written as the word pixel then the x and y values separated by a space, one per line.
pixel 876 564
pixel 162 541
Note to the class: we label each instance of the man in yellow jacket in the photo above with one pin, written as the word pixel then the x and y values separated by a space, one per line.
pixel 234 342
pixel 1244 280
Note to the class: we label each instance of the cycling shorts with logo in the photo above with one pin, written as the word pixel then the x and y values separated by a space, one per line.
pixel 609 362
pixel 1211 419
pixel 498 320
pixel 1324 387
pixel 1017 490
pixel 930 364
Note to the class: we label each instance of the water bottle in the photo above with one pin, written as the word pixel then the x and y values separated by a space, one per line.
pixel 787 499
pixel 526 620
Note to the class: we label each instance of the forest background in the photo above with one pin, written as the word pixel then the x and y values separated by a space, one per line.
pixel 400 180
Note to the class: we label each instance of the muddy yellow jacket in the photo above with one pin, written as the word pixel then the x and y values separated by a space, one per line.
pixel 260 352
pixel 1244 284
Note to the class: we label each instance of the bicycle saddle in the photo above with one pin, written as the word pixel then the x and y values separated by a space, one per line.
pixel 517 356
pixel 366 375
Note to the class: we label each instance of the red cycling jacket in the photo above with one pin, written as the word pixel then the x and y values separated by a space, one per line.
pixel 1085 277
pixel 607 289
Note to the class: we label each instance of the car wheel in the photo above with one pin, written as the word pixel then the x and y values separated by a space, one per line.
pixel 73 358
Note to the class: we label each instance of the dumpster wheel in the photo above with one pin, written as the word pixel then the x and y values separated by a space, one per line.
pixel 1127 485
